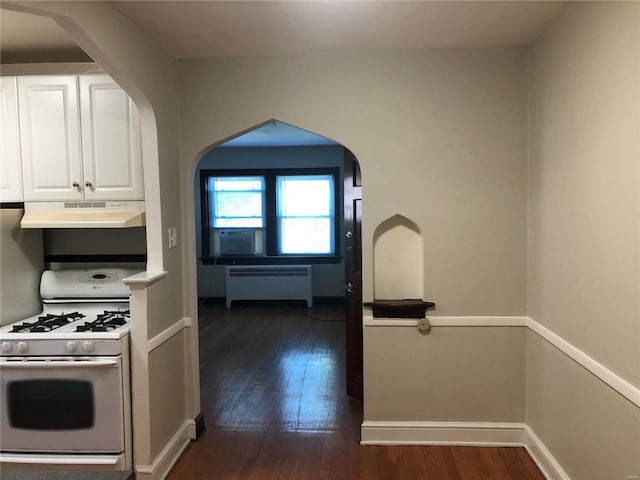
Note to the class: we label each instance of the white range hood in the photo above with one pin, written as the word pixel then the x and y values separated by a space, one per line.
pixel 103 214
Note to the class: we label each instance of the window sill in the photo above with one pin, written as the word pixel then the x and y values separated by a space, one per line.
pixel 288 260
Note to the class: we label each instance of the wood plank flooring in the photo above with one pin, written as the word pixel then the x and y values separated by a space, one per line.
pixel 274 403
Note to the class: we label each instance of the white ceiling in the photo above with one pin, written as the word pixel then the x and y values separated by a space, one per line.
pixel 206 29
pixel 203 29
pixel 278 134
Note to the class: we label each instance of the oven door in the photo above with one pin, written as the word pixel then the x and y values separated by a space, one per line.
pixel 62 405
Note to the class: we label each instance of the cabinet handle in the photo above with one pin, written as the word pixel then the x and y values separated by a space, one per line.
pixel 75 184
pixel 87 183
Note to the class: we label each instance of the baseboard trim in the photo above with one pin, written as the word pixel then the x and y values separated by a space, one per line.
pixel 477 434
pixel 442 433
pixel 546 462
pixel 169 455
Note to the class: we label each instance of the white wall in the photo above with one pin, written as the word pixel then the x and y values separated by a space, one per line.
pixel 328 279
pixel 441 139
pixel 149 76
pixel 584 235
pixel 21 266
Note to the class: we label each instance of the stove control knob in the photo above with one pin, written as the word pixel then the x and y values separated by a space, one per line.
pixel 23 347
pixel 87 347
pixel 6 347
pixel 72 347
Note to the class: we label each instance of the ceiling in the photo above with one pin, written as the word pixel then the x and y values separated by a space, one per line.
pixel 197 29
pixel 278 134
pixel 207 29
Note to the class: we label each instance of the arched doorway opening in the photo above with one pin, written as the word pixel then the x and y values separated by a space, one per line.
pixel 270 154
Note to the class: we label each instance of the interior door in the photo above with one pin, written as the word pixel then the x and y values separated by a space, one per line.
pixel 353 273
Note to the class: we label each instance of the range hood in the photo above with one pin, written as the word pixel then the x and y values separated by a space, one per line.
pixel 103 214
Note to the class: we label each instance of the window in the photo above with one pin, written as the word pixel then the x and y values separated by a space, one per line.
pixel 305 214
pixel 236 201
pixel 292 213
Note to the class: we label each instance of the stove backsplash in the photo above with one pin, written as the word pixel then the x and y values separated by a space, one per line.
pixel 95 248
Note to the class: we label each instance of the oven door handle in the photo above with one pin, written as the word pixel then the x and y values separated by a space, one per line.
pixel 60 364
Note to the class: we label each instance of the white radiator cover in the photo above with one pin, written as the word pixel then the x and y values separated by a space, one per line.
pixel 269 282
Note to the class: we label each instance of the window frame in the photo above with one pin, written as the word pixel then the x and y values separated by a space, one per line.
pixel 270 217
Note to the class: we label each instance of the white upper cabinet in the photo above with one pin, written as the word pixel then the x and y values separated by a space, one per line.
pixel 80 139
pixel 50 138
pixel 10 168
pixel 110 141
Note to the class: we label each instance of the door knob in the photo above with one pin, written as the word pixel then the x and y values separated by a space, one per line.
pixel 349 234
pixel 87 183
pixel 75 184
pixel 349 288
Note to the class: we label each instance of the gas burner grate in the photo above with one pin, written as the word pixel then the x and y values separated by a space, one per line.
pixel 105 322
pixel 47 323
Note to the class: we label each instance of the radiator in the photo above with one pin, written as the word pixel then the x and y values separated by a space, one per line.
pixel 266 282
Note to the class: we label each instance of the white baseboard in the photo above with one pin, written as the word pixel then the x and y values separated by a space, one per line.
pixel 442 433
pixel 484 434
pixel 546 462
pixel 169 455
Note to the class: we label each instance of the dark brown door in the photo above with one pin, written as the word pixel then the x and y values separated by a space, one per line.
pixel 353 273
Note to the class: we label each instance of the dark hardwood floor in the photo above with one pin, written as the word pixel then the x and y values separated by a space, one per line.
pixel 274 403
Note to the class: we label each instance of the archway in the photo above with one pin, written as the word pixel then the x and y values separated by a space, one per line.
pixel 208 271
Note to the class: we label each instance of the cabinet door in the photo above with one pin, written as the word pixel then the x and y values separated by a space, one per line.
pixel 50 138
pixel 10 168
pixel 110 141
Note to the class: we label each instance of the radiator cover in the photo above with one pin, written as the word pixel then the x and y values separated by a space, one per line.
pixel 269 282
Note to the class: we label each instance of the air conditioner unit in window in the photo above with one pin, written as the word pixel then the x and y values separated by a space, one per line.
pixel 236 242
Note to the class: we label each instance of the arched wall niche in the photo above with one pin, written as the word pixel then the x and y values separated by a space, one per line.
pixel 398 253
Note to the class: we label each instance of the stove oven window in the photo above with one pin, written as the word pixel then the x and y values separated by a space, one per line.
pixel 51 404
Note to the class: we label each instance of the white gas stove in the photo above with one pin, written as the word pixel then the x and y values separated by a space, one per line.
pixel 84 312
pixel 65 374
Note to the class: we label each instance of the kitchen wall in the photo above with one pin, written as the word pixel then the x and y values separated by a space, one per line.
pixel 441 139
pixel 584 235
pixel 150 77
pixel 22 264
pixel 328 279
